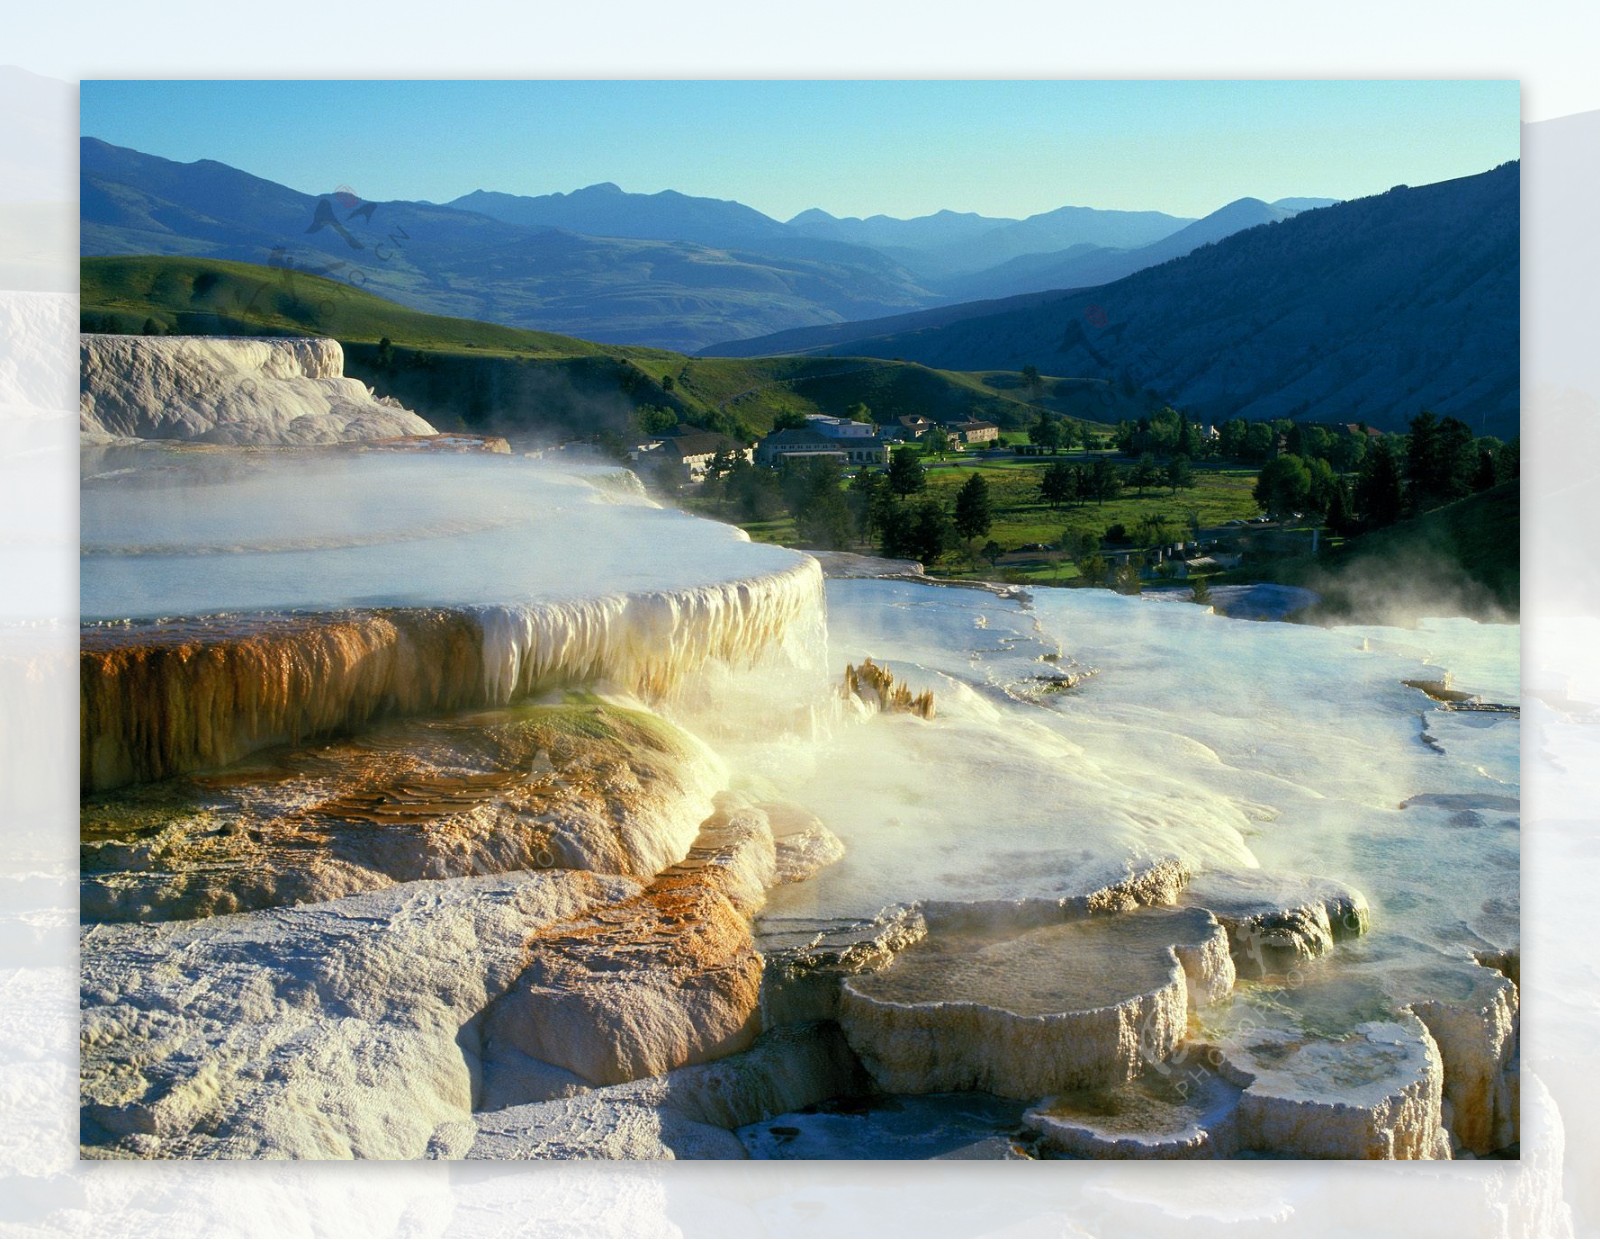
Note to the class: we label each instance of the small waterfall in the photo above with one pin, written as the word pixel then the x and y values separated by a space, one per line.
pixel 647 643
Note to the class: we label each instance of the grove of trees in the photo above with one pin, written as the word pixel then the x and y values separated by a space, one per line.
pixel 1437 462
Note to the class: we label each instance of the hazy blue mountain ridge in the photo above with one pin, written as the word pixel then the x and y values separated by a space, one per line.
pixel 442 259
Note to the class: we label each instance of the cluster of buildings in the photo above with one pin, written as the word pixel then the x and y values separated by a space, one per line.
pixel 841 439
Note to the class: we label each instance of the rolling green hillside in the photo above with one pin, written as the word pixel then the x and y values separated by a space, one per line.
pixel 1462 559
pixel 461 373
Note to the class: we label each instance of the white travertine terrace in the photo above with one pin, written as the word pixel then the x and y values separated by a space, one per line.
pixel 230 390
pixel 1076 1005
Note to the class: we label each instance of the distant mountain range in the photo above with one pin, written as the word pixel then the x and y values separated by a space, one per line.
pixel 950 244
pixel 445 260
pixel 668 269
pixel 1369 310
pixel 1083 266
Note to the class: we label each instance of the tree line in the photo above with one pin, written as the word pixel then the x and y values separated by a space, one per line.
pixel 1437 462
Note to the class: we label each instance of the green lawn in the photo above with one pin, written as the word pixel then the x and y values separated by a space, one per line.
pixel 780 531
pixel 1021 517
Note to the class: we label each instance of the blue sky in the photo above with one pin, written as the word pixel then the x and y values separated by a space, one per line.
pixel 853 148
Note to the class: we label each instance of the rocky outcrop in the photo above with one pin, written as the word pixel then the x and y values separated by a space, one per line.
pixel 666 979
pixel 269 391
pixel 1276 922
pixel 338 1030
pixel 586 785
pixel 1082 1004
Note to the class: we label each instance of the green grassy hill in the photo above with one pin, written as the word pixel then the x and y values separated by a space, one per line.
pixel 1462 559
pixel 464 374
pixel 211 297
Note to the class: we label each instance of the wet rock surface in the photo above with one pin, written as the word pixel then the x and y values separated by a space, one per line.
pixel 1276 922
pixel 580 785
pixel 668 978
pixel 1076 1005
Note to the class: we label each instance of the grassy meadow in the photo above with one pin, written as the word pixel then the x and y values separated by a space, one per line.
pixel 1022 519
pixel 463 374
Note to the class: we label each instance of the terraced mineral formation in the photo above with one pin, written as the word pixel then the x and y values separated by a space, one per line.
pixel 807 960
pixel 240 603
pixel 399 713
pixel 1077 1005
pixel 230 391
pixel 1374 1093
pixel 1176 1110
pixel 585 785
pixel 166 699
pixel 1474 1020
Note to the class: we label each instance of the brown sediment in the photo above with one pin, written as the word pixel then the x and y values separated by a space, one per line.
pixel 1440 691
pixel 877 686
pixel 576 786
pixel 172 697
pixel 164 699
pixel 668 978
